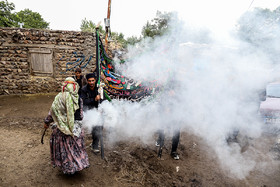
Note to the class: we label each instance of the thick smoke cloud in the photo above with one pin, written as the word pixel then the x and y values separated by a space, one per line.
pixel 211 89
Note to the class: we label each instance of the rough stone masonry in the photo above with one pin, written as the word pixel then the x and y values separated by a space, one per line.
pixel 37 61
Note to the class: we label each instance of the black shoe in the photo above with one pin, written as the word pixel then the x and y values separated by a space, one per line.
pixel 175 155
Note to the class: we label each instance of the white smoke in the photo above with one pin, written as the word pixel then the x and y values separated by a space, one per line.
pixel 216 88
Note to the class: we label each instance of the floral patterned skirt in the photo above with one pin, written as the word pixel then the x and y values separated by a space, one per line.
pixel 68 152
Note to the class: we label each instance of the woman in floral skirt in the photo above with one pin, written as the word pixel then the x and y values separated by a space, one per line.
pixel 67 139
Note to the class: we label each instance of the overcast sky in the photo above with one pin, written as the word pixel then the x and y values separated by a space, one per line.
pixel 129 16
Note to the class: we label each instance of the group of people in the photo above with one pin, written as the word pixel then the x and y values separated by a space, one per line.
pixel 67 145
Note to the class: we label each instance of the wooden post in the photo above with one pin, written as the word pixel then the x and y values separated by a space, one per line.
pixel 107 25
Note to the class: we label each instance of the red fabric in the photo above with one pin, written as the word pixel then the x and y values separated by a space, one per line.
pixel 69 82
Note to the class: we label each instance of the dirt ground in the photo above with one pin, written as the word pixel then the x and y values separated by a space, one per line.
pixel 24 161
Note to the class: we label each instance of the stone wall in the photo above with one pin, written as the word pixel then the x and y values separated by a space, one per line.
pixel 37 61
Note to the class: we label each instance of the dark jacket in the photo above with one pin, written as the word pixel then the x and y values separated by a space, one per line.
pixel 79 113
pixel 88 97
pixel 82 82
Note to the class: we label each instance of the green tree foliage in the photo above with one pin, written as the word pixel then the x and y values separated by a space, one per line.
pixel 260 28
pixel 133 40
pixel 119 37
pixel 259 25
pixel 89 26
pixel 31 19
pixel 27 17
pixel 7 18
pixel 159 25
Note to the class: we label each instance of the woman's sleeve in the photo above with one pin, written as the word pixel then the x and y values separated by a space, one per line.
pixel 81 108
pixel 84 81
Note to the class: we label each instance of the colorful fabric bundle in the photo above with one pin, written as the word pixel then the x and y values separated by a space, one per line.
pixel 118 86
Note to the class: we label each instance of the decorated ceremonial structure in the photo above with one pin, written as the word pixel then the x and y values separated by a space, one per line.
pixel 115 85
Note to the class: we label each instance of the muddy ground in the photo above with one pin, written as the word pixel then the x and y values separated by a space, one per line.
pixel 24 161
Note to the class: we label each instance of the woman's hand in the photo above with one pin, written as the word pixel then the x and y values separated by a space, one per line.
pixel 46 126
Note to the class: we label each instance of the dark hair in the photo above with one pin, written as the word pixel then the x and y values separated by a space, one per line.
pixel 78 70
pixel 91 75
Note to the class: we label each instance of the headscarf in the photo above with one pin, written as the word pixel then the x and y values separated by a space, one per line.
pixel 64 106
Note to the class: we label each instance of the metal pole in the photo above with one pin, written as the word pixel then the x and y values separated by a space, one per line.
pixel 97 56
pixel 98 65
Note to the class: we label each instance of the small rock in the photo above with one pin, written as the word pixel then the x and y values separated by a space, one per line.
pixel 194 144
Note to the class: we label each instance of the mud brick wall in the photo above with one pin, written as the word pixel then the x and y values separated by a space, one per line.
pixel 37 61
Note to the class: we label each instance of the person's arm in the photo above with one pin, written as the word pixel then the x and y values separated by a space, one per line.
pixel 48 120
pixel 81 108
pixel 98 97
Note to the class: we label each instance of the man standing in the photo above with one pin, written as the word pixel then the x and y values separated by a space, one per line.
pixel 91 98
pixel 175 141
pixel 168 105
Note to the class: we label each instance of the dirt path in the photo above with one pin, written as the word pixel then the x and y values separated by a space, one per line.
pixel 24 161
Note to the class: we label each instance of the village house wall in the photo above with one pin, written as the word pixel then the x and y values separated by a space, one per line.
pixel 37 61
